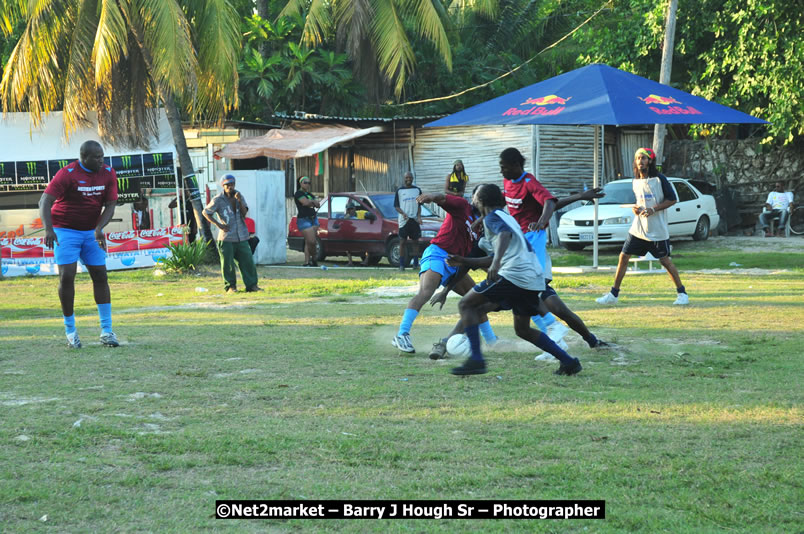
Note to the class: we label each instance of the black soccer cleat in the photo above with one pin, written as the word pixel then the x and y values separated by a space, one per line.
pixel 570 369
pixel 470 367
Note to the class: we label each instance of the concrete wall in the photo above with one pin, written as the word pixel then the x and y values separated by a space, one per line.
pixel 743 171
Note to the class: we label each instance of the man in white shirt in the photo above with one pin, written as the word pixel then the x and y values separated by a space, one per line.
pixel 779 204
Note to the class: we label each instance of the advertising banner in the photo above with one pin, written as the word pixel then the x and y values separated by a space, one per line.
pixel 8 173
pixel 128 189
pixel 55 165
pixel 156 164
pixel 32 173
pixel 21 256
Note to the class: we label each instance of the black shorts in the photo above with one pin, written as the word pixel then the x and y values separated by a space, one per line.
pixel 548 291
pixel 411 230
pixel 635 246
pixel 510 297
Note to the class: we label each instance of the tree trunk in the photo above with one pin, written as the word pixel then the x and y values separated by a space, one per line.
pixel 262 11
pixel 189 178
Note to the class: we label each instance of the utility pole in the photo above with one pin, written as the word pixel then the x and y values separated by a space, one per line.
pixel 664 76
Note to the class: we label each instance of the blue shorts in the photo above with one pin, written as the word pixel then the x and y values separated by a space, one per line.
pixel 435 259
pixel 74 244
pixel 635 246
pixel 510 296
pixel 305 223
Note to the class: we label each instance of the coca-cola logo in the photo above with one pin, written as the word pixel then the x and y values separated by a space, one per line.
pixel 122 235
pixel 158 232
pixel 177 230
pixel 28 241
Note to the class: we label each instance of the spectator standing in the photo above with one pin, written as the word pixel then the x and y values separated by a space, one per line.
pixel 456 180
pixel 307 220
pixel 410 221
pixel 233 246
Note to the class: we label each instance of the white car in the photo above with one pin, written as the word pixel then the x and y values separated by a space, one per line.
pixel 693 215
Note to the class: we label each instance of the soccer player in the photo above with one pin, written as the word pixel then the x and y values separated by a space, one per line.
pixel 454 237
pixel 515 280
pixel 531 205
pixel 649 231
pixel 75 207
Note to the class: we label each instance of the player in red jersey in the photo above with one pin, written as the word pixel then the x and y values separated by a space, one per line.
pixel 532 206
pixel 75 207
pixel 454 237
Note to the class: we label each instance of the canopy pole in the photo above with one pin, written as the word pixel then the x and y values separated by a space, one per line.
pixel 326 173
pixel 595 182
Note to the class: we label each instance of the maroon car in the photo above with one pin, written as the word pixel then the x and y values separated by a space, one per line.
pixel 375 230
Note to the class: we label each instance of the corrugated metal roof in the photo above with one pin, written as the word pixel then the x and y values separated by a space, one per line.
pixel 302 116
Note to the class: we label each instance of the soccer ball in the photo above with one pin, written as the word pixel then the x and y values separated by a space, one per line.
pixel 458 346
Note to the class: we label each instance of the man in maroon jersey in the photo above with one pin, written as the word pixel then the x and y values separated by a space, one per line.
pixel 531 205
pixel 454 237
pixel 75 207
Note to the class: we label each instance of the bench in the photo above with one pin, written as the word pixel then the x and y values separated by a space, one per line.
pixel 648 258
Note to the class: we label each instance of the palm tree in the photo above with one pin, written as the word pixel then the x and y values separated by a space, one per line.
pixel 122 59
pixel 375 33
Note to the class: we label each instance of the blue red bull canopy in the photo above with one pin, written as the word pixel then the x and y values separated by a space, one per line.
pixel 597 95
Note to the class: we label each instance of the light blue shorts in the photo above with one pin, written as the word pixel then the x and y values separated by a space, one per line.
pixel 435 259
pixel 74 244
pixel 304 223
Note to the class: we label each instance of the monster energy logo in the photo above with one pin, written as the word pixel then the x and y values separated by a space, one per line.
pixel 2 168
pixel 62 163
pixel 31 167
pixel 122 183
pixel 126 161
pixel 157 159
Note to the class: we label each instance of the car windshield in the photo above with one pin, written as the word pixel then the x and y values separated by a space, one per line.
pixel 619 193
pixel 385 203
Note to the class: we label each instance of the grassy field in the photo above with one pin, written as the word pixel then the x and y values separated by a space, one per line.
pixel 693 423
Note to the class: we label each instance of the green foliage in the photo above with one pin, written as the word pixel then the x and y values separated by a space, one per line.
pixel 745 54
pixel 278 74
pixel 185 257
pixel 120 61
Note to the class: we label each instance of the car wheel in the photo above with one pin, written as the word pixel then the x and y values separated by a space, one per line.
pixel 573 246
pixel 701 229
pixel 374 260
pixel 392 252
pixel 320 253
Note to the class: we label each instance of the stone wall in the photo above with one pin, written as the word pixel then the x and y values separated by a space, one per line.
pixel 744 172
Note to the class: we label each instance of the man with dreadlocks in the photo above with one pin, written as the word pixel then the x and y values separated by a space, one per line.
pixel 649 231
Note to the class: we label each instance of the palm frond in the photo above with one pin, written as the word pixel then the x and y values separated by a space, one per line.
pixel 217 33
pixel 166 36
pixel 79 90
pixel 33 78
pixel 428 15
pixel 394 51
pixel 318 23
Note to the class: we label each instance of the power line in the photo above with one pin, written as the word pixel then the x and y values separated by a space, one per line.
pixel 455 95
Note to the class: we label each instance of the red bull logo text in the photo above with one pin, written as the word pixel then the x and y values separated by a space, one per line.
pixel 539 106
pixel 654 100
